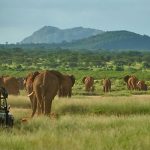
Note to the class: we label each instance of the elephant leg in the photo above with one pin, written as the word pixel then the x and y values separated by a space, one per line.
pixel 38 93
pixel 60 92
pixel 86 88
pixel 34 106
pixel 92 89
pixel 31 100
pixel 128 86
pixel 103 89
pixel 132 86
pixel 40 109
pixel 106 89
pixel 47 107
pixel 48 101
pixel 69 93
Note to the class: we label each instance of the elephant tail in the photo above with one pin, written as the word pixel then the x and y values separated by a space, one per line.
pixel 43 85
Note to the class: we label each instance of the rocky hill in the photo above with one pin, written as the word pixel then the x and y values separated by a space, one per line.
pixel 49 34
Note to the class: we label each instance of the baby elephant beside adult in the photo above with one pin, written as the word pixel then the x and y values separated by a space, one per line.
pixel 42 88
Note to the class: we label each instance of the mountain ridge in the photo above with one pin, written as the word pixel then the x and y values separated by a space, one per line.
pixel 112 40
pixel 91 39
pixel 50 34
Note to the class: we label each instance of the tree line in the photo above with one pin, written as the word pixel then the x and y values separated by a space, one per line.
pixel 22 59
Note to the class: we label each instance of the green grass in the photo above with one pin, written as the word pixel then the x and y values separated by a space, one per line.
pixel 82 123
pixel 80 132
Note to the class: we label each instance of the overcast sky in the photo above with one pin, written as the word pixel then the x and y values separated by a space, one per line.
pixel 20 18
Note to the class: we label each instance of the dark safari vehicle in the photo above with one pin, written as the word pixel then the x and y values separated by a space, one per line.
pixel 6 118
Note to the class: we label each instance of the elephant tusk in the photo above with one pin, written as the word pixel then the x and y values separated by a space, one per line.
pixel 31 94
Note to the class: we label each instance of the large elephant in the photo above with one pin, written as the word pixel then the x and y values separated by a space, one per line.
pixel 67 83
pixel 106 85
pixel 131 82
pixel 10 84
pixel 42 88
pixel 141 85
pixel 89 83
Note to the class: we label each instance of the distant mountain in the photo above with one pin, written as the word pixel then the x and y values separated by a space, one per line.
pixel 49 34
pixel 112 40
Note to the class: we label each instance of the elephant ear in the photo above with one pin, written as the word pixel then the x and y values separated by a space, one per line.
pixel 24 81
pixel 83 80
pixel 34 75
pixel 72 79
pixel 1 81
pixel 126 78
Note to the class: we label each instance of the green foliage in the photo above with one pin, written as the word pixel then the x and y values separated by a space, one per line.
pixel 16 59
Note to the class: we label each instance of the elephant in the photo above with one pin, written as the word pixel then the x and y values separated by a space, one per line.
pixel 131 82
pixel 106 85
pixel 65 89
pixel 141 85
pixel 89 83
pixel 42 88
pixel 20 82
pixel 28 84
pixel 10 83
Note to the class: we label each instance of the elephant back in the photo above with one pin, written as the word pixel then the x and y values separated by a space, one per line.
pixel 11 84
pixel 57 74
pixel 106 82
pixel 89 80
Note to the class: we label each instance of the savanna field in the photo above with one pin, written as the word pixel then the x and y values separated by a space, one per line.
pixel 119 120
pixel 100 121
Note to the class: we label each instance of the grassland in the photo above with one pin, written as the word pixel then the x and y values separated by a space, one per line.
pixel 82 123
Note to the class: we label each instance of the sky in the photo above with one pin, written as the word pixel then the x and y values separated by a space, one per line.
pixel 20 18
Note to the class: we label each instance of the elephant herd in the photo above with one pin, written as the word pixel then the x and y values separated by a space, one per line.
pixel 89 84
pixel 42 87
pixel 133 83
